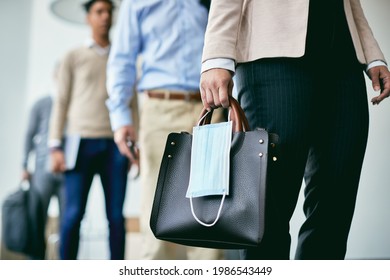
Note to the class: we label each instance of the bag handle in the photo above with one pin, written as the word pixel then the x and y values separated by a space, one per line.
pixel 237 115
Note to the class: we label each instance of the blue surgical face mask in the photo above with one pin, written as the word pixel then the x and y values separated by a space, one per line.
pixel 210 160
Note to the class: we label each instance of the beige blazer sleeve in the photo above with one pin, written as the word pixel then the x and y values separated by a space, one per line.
pixel 367 48
pixel 246 30
pixel 222 29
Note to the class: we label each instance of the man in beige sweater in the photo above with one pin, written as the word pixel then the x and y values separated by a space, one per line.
pixel 299 73
pixel 80 105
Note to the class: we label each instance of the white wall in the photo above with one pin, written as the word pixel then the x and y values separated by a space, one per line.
pixel 51 37
pixel 370 233
pixel 15 34
pixel 33 39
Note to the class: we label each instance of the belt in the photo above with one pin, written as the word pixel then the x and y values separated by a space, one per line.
pixel 172 95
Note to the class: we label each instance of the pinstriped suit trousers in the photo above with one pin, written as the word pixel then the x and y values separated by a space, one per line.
pixel 321 118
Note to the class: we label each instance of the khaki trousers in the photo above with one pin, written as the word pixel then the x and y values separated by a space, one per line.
pixel 159 118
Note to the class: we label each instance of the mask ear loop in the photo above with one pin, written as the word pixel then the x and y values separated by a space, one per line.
pixel 208 112
pixel 218 214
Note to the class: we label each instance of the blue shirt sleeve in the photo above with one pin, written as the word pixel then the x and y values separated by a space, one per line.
pixel 121 66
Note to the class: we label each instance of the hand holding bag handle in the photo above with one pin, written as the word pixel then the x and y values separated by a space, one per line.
pixel 237 116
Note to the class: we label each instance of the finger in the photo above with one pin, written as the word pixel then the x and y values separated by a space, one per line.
pixel 133 148
pixel 385 91
pixel 217 101
pixel 135 171
pixel 224 93
pixel 59 167
pixel 378 99
pixel 61 162
pixel 203 91
pixel 132 135
pixel 55 167
pixel 375 100
pixel 133 158
pixel 386 85
pixel 204 99
pixel 124 149
pixel 63 166
pixel 374 74
pixel 231 85
pixel 210 98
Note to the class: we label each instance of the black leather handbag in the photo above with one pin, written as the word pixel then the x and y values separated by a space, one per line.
pixel 241 220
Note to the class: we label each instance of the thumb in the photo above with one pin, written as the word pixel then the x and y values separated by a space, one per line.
pixel 374 75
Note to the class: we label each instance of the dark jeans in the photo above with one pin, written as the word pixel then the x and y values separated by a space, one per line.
pixel 102 157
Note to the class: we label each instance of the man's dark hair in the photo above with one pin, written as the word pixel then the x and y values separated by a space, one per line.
pixel 87 5
pixel 206 3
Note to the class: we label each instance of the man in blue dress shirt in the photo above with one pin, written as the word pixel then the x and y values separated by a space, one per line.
pixel 168 37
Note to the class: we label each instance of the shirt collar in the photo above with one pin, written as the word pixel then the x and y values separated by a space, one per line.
pixel 90 43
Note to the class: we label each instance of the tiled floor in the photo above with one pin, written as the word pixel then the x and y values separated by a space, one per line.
pixel 97 248
pixel 94 245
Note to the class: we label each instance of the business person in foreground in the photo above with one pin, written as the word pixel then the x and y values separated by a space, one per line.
pixel 299 68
